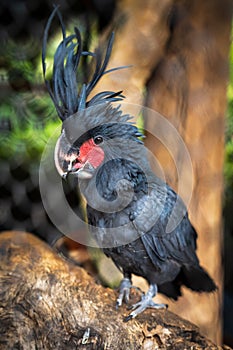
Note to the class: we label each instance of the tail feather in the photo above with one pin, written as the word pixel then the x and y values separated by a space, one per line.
pixel 197 279
pixel 170 289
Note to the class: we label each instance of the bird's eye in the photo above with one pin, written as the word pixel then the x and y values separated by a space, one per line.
pixel 98 139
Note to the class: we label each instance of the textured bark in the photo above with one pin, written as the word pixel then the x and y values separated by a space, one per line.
pixel 189 88
pixel 183 46
pixel 140 38
pixel 48 303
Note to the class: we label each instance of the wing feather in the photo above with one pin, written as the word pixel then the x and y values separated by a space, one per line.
pixel 179 244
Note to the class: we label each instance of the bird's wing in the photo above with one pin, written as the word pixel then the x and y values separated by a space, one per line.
pixel 179 245
pixel 152 220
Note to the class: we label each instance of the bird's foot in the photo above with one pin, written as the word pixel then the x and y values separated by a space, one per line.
pixel 142 305
pixel 145 303
pixel 124 291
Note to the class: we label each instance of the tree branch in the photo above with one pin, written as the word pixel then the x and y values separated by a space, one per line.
pixel 48 303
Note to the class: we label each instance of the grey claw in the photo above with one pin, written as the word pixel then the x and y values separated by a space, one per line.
pixel 127 318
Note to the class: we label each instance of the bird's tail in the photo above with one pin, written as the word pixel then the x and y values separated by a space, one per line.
pixel 197 279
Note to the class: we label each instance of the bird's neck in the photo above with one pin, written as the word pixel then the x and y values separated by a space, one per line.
pixel 114 185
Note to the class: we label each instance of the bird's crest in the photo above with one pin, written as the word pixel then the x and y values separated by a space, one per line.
pixel 67 89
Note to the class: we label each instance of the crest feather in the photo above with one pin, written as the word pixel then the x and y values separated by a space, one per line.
pixel 67 89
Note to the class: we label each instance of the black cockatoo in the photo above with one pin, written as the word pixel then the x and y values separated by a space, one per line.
pixel 128 206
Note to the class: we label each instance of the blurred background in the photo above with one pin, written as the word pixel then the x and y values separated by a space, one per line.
pixel 28 118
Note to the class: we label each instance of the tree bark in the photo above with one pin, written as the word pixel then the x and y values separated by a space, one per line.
pixel 140 38
pixel 181 47
pixel 188 87
pixel 48 303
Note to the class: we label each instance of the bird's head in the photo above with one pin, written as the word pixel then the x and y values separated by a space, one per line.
pixel 93 137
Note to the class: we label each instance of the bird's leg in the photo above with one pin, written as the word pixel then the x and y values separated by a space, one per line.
pixel 145 302
pixel 124 290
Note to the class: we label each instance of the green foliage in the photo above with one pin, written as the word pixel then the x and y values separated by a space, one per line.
pixel 29 124
pixel 27 115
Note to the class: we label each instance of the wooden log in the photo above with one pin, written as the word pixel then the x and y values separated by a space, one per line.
pixel 47 302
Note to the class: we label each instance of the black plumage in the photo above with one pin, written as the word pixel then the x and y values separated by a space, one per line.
pixel 166 259
pixel 67 90
pixel 129 208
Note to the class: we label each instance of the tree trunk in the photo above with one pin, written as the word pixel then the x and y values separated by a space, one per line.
pixel 189 89
pixel 140 39
pixel 183 46
pixel 48 303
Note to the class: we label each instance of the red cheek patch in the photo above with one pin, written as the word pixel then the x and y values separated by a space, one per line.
pixel 86 148
pixel 91 153
pixel 96 156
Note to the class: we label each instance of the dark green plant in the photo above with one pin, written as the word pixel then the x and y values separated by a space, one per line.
pixel 29 122
pixel 27 115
